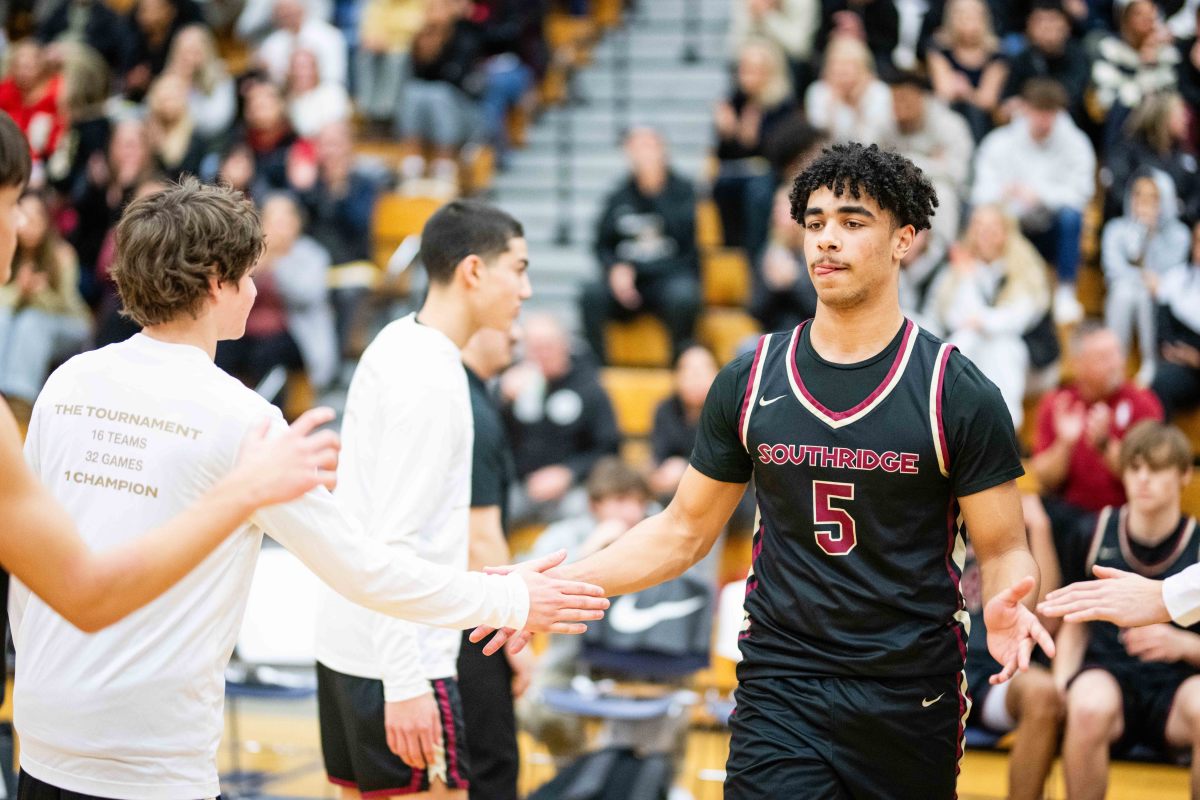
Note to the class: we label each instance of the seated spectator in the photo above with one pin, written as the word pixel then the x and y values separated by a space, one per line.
pixel 339 200
pixel 313 103
pixel 745 183
pixel 1050 52
pixel 1156 136
pixel 178 147
pixel 92 23
pixel 32 93
pixel 385 33
pixel 875 22
pixel 934 138
pixel 298 27
pixel 1041 168
pixel 1137 61
pixel 1029 704
pixel 438 105
pixel 43 320
pixel 966 66
pixel 1177 377
pixel 110 184
pixel 994 292
pixel 85 89
pixel 1137 686
pixel 646 245
pixel 517 55
pixel 268 133
pixel 1077 439
pixel 560 421
pixel 677 419
pixel 1137 250
pixel 617 499
pixel 849 101
pixel 212 97
pixel 783 294
pixel 291 323
pixel 790 24
pixel 152 29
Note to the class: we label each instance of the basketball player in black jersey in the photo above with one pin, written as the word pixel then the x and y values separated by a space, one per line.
pixel 1133 686
pixel 871 443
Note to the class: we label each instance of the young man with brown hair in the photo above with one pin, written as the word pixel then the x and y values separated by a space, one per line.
pixel 38 542
pixel 1138 685
pixel 128 434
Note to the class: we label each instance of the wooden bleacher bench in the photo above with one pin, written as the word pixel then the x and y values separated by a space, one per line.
pixel 725 274
pixel 635 394
pixel 641 342
pixel 708 226
pixel 723 330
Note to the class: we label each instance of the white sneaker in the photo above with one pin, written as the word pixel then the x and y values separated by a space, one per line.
pixel 1067 308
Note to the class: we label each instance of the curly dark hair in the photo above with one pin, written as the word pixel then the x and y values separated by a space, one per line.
pixel 888 178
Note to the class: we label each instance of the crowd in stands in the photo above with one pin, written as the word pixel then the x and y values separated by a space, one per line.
pixel 1061 135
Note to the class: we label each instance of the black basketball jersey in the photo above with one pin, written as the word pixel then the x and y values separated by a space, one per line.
pixel 858 544
pixel 1111 547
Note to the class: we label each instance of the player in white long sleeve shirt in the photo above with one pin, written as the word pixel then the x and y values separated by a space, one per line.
pixel 405 471
pixel 126 436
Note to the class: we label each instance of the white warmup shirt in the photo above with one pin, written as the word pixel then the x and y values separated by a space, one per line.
pixel 126 437
pixel 1181 596
pixel 405 471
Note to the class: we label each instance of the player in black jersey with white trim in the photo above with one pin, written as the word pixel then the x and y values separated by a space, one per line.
pixel 871 444
pixel 1133 686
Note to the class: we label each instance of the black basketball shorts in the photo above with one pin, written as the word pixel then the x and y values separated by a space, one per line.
pixel 354 742
pixel 834 738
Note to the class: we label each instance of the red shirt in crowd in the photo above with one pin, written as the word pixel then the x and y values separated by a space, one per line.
pixel 39 120
pixel 1089 483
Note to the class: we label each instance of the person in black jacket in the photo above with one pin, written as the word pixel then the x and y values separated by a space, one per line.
pixel 646 244
pixel 1051 52
pixel 560 422
pixel 93 23
pixel 677 419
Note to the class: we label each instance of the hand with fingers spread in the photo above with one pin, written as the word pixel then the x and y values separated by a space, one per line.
pixel 414 729
pixel 1120 597
pixel 1013 630
pixel 555 605
pixel 279 468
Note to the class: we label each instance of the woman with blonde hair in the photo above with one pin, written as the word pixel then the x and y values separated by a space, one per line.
pixel 42 317
pixel 212 98
pixel 1156 137
pixel 993 294
pixel 965 64
pixel 849 101
pixel 745 184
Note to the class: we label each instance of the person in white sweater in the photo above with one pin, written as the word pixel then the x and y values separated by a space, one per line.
pixel 1042 169
pixel 126 436
pixel 391 716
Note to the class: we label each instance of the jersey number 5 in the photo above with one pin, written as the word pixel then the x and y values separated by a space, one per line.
pixel 840 538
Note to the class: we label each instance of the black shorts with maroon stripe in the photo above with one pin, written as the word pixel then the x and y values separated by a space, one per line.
pixel 354 741
pixel 836 738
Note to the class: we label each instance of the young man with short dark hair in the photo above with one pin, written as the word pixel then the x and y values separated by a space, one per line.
pixel 127 435
pixel 391 716
pixel 871 443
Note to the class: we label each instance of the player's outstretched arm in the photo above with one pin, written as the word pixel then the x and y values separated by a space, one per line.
pixel 1010 577
pixel 39 543
pixel 657 549
pixel 1123 598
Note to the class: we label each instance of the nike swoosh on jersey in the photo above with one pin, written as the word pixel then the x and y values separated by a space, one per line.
pixel 763 401
pixel 626 617
pixel 927 703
